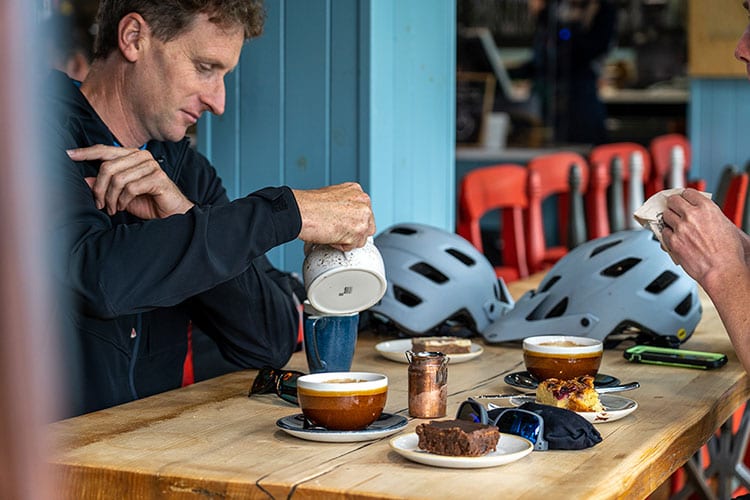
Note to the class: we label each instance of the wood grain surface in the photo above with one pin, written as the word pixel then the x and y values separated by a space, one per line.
pixel 210 440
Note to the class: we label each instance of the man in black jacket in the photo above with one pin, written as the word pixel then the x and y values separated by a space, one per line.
pixel 150 243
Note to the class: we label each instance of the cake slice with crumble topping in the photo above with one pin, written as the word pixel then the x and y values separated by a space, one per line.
pixel 577 394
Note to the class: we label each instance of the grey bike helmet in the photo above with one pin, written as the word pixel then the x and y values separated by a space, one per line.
pixel 435 277
pixel 619 286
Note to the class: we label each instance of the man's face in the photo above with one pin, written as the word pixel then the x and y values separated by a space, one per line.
pixel 742 52
pixel 178 80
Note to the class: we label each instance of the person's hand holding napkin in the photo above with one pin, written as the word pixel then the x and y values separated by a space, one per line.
pixel 650 214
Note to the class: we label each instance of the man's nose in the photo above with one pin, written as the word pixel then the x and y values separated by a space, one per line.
pixel 214 97
pixel 742 51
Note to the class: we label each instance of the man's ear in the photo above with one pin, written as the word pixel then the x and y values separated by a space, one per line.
pixel 132 35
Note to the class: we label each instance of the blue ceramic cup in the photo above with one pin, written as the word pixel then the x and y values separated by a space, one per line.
pixel 330 342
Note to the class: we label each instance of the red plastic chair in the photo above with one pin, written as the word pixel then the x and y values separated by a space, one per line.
pixel 549 176
pixel 503 188
pixel 734 202
pixel 660 150
pixel 601 158
pixel 605 153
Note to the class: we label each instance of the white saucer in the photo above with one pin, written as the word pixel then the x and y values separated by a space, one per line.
pixel 384 426
pixel 395 349
pixel 509 449
pixel 615 408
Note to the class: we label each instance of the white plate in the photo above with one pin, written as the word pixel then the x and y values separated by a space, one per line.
pixel 384 426
pixel 615 408
pixel 395 349
pixel 509 449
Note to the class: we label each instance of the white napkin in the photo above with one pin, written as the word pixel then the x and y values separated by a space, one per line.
pixel 650 214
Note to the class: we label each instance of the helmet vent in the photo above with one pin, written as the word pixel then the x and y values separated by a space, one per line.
pixel 403 230
pixel 461 256
pixel 661 282
pixel 621 267
pixel 684 307
pixel 604 247
pixel 429 272
pixel 406 298
pixel 551 282
pixel 559 309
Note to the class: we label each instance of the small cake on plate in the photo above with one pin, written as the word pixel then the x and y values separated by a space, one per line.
pixel 577 394
pixel 446 345
pixel 459 438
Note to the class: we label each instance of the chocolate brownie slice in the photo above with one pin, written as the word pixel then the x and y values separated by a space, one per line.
pixel 457 438
pixel 446 345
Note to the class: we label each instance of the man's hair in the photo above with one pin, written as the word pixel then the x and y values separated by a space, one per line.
pixel 169 18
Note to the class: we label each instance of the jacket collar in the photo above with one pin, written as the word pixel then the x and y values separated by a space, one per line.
pixel 76 115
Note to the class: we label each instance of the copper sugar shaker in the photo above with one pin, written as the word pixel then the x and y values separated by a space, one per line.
pixel 428 384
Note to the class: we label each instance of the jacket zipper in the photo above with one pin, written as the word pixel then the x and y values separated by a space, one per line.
pixel 134 356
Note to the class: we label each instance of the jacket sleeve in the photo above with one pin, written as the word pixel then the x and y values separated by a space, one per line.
pixel 119 266
pixel 253 318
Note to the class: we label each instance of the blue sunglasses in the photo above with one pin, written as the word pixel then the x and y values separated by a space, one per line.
pixel 523 423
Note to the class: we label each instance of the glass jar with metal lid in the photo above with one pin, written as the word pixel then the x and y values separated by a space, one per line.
pixel 428 384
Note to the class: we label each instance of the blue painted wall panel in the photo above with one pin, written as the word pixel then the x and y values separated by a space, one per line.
pixel 307 93
pixel 221 143
pixel 381 46
pixel 261 126
pixel 260 129
pixel 718 122
pixel 338 90
pixel 413 109
pixel 344 88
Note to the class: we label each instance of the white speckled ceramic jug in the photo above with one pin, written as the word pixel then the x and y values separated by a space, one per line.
pixel 344 282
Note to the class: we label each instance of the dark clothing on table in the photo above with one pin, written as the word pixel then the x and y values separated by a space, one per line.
pixel 566 65
pixel 136 285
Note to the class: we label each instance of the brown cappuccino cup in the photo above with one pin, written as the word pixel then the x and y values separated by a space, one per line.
pixel 561 356
pixel 344 401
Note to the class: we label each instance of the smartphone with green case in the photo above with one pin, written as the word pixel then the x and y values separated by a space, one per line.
pixel 674 357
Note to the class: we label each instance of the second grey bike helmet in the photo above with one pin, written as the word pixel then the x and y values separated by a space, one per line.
pixel 435 277
pixel 622 285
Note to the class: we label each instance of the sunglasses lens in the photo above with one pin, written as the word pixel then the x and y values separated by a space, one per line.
pixel 520 424
pixel 264 382
pixel 287 386
pixel 469 411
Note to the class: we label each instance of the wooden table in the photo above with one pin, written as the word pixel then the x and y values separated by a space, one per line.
pixel 210 440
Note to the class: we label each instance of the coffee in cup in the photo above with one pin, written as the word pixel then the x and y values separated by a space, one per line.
pixel 561 356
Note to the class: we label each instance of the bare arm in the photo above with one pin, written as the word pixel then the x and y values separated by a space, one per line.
pixel 712 250
pixel 339 215
pixel 746 246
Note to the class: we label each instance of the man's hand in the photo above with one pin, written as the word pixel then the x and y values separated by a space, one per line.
pixel 340 216
pixel 699 236
pixel 131 180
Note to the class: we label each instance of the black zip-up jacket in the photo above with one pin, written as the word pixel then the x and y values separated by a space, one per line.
pixel 135 285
